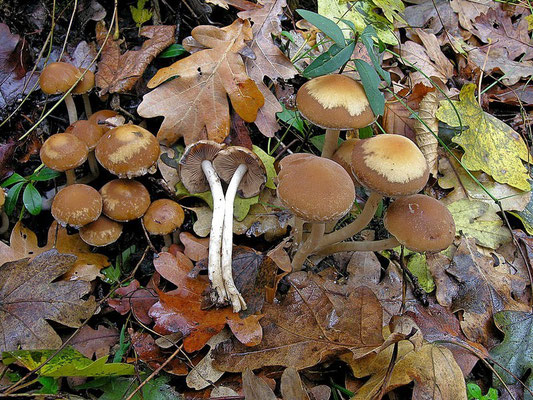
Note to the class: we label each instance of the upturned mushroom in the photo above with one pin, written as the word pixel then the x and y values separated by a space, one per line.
pixel 245 174
pixel 64 152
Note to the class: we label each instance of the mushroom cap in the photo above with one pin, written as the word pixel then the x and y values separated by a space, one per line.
pixel 58 77
pixel 343 157
pixel 315 189
pixel 163 216
pixel 63 151
pixel 99 117
pixel 76 205
pixel 124 199
pixel 229 159
pixel 420 223
pixel 127 151
pixel 335 102
pixel 191 174
pixel 2 198
pixel 86 83
pixel 390 164
pixel 87 132
pixel 101 232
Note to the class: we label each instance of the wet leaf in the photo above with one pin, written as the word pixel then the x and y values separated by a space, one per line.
pixel 255 388
pixel 149 353
pixel 95 342
pixel 196 249
pixel 136 299
pixel 291 385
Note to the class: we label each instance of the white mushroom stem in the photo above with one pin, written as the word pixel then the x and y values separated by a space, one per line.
pixel 71 109
pixel 330 142
pixel 377 245
pixel 310 244
pixel 215 237
pixel 235 297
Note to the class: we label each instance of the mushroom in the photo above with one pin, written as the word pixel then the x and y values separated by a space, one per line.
pixel 343 157
pixel 77 205
pixel 317 190
pixel 335 103
pixel 101 232
pixel 83 87
pixel 387 165
pixel 64 152
pixel 60 77
pixel 89 133
pixel 124 199
pixel 5 220
pixel 127 151
pixel 198 175
pixel 99 118
pixel 163 217
pixel 246 174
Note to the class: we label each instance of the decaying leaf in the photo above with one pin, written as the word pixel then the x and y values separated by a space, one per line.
pixel 30 295
pixel 291 385
pixel 194 103
pixel 489 144
pixel 255 388
pixel 196 249
pixel 118 73
pixel 467 10
pixel 136 299
pixel 425 138
pixel 95 342
pixel 148 352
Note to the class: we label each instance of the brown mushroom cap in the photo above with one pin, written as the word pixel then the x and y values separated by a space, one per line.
pixel 77 205
pixel 58 77
pixel 87 132
pixel 2 198
pixel 191 174
pixel 127 151
pixel 99 118
pixel 86 84
pixel 335 102
pixel 420 223
pixel 63 151
pixel 163 217
pixel 101 232
pixel 343 157
pixel 124 199
pixel 315 189
pixel 253 180
pixel 390 164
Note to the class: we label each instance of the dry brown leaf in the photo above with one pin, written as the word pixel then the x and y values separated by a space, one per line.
pixel 149 353
pixel 425 138
pixel 468 10
pixel 255 388
pixel 118 73
pixel 196 249
pixel 95 342
pixel 30 295
pixel 196 100
pixel 269 60
pixel 291 385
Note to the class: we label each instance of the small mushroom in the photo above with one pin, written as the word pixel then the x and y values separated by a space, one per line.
pixel 335 103
pixel 246 174
pixel 90 134
pixel 99 118
pixel 317 190
pixel 64 152
pixel 83 87
pixel 57 78
pixel 77 205
pixel 163 217
pixel 124 199
pixel 101 232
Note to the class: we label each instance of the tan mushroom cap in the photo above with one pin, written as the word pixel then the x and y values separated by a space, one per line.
pixel 77 205
pixel 343 157
pixel 127 151
pixel 335 102
pixel 100 116
pixel 253 180
pixel 124 199
pixel 87 132
pixel 58 77
pixel 2 198
pixel 63 151
pixel 420 223
pixel 390 164
pixel 191 174
pixel 86 84
pixel 315 189
pixel 101 232
pixel 163 216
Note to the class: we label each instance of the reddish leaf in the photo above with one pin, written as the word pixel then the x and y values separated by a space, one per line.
pixel 195 248
pixel 151 354
pixel 134 298
pixel 95 342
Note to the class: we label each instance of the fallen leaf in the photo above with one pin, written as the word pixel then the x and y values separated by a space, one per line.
pixel 155 389
pixel 118 73
pixel 255 388
pixel 197 98
pixel 196 249
pixel 489 144
pixel 136 299
pixel 30 295
pixel 427 129
pixel 149 353
pixel 7 152
pixel 431 16
pixel 468 10
pixel 306 328
pixel 168 164
pixel 246 330
pixel 291 385
pixel 95 342
pixel 514 95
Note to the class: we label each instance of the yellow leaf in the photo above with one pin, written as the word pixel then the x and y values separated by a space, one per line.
pixel 489 144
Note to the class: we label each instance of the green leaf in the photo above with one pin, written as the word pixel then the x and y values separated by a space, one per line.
pixel 370 80
pixel 15 178
pixel 156 389
pixel 111 274
pixel 326 25
pixel 292 118
pixel 123 345
pixel 32 199
pixel 418 266
pixel 289 36
pixel 69 362
pixel 139 14
pixel 268 162
pixel 50 385
pixel 318 141
pixel 473 391
pixel 330 61
pixel 366 132
pixel 44 174
pixel 174 50
pixel 181 192
pixel 12 197
pixel 492 394
pixel 241 206
pixel 367 37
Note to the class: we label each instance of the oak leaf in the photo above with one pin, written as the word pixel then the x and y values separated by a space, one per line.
pixel 194 103
pixel 136 299
pixel 95 342
pixel 30 295
pixel 148 352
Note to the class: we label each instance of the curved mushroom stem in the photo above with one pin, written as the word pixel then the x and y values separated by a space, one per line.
pixel 235 297
pixel 330 142
pixel 5 223
pixel 310 244
pixel 215 236
pixel 87 105
pixel 356 226
pixel 71 109
pixel 377 245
